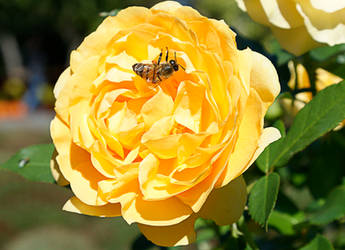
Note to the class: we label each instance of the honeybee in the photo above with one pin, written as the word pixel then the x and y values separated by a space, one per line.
pixel 157 72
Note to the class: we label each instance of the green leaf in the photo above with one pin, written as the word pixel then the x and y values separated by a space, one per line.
pixel 32 162
pixel 274 111
pixel 248 247
pixel 284 222
pixel 285 95
pixel 280 125
pixel 263 160
pixel 327 153
pixel 323 113
pixel 205 234
pixel 263 197
pixel 324 53
pixel 318 243
pixel 333 209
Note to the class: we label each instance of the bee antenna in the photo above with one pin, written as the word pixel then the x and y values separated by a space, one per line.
pixel 181 66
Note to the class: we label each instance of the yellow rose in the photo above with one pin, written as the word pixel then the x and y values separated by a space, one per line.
pixel 300 25
pixel 323 80
pixel 161 156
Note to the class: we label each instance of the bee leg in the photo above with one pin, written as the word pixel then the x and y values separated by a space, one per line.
pixel 160 57
pixel 145 73
pixel 160 79
pixel 154 73
pixel 167 55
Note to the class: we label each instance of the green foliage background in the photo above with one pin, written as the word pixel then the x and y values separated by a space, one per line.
pixel 296 187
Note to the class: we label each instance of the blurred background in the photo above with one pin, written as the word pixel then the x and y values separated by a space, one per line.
pixel 36 38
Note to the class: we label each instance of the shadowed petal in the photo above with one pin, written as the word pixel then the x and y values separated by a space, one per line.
pixel 175 235
pixel 75 205
pixel 225 205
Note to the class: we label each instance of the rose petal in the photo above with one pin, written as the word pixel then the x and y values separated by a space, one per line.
pixel 256 11
pixel 130 139
pixel 78 123
pixel 147 169
pixel 190 175
pixel 75 205
pixel 133 16
pixel 325 79
pixel 328 6
pixel 268 136
pixel 108 99
pixel 54 167
pixel 249 133
pixel 331 36
pixel 188 105
pixel 196 196
pixel 303 82
pixel 121 189
pixel 321 19
pixel 94 43
pixel 168 6
pixel 301 43
pixel 188 144
pixel 87 72
pixel 176 235
pixel 159 106
pixel 281 14
pixel 123 60
pixel 159 129
pixel 154 175
pixel 150 212
pixel 225 205
pixel 60 84
pixel 75 165
pixel 264 78
pixel 102 165
pixel 207 34
pixel 165 147
pixel 154 185
pixel 116 75
pixel 273 14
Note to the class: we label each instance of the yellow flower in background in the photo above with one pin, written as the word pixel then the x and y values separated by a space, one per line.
pixel 325 79
pixel 300 25
pixel 161 156
pixel 300 77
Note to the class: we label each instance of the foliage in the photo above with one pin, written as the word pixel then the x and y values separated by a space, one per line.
pixel 318 243
pixel 319 116
pixel 32 163
pixel 263 197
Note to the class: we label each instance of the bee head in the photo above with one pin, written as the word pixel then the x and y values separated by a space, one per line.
pixel 174 64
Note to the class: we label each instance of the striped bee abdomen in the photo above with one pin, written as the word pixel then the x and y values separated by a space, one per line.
pixel 145 71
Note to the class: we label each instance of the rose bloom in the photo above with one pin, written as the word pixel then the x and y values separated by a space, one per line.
pixel 300 25
pixel 161 155
pixel 299 79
